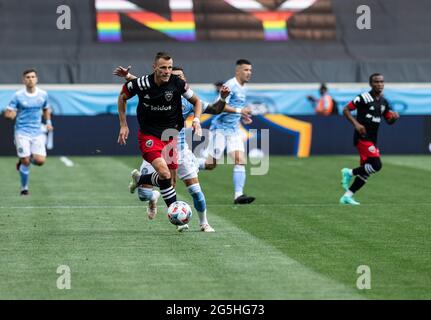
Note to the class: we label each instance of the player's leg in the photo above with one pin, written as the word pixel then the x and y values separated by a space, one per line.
pixel 23 148
pixel 188 172
pixel 215 150
pixel 370 163
pixel 146 192
pixel 235 148
pixel 155 152
pixel 38 150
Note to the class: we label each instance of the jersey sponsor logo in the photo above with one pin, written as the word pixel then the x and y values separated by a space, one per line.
pixel 169 95
pixel 372 149
pixel 149 143
pixel 373 119
pixel 161 108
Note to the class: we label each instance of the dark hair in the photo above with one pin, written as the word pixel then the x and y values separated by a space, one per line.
pixel 177 68
pixel 240 62
pixel 370 79
pixel 29 71
pixel 162 55
pixel 323 87
pixel 218 83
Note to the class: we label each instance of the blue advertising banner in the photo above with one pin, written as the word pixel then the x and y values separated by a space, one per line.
pixel 293 101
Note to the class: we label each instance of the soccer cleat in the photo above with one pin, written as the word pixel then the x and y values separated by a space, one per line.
pixel 348 200
pixel 152 206
pixel 24 192
pixel 244 199
pixel 345 178
pixel 207 228
pixel 134 182
pixel 183 228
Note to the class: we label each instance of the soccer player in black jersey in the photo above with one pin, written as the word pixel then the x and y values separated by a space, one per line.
pixel 371 107
pixel 160 118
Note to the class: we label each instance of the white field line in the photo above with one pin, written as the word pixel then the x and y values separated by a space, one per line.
pixel 218 205
pixel 67 161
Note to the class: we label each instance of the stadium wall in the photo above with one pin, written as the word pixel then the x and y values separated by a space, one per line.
pixel 97 135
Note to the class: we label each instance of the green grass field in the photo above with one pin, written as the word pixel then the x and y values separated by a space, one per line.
pixel 294 242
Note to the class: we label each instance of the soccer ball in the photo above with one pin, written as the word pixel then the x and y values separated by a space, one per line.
pixel 179 213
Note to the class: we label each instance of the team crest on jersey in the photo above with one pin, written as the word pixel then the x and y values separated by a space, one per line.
pixel 169 95
pixel 372 149
pixel 149 143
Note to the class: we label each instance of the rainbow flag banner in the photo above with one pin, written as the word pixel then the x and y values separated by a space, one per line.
pixel 180 27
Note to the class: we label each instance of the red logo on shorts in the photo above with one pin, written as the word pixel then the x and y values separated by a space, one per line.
pixel 149 143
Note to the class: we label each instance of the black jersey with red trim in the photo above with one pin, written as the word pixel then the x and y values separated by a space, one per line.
pixel 369 113
pixel 159 107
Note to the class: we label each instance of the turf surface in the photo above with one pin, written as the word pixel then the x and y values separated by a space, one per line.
pixel 294 242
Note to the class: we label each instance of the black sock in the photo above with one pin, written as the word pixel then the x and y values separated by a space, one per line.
pixel 358 183
pixel 167 191
pixel 359 171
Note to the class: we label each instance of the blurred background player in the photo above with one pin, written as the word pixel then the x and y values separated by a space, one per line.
pixel 325 105
pixel 187 162
pixel 225 133
pixel 27 107
pixel 159 109
pixel 370 106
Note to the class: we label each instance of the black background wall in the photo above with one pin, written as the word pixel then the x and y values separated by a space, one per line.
pixel 97 135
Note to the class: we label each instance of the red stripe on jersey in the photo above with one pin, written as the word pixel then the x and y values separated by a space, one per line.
pixel 126 91
pixel 388 115
pixel 351 106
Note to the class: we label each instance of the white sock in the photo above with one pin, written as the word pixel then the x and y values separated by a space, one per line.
pixel 201 162
pixel 203 217
pixel 348 193
pixel 237 194
pixel 351 172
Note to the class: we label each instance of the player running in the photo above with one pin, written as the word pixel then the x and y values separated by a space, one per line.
pixel 224 132
pixel 187 162
pixel 159 109
pixel 370 106
pixel 27 107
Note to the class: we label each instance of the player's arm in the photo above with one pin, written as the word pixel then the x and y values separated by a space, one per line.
pixel 10 114
pixel 47 117
pixel 123 73
pixel 129 90
pixel 347 113
pixel 197 109
pixel 220 105
pixel 391 116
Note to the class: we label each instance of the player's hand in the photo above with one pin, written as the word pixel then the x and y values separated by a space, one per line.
pixel 121 71
pixel 124 134
pixel 361 129
pixel 246 112
pixel 246 119
pixel 224 91
pixel 49 127
pixel 395 115
pixel 196 125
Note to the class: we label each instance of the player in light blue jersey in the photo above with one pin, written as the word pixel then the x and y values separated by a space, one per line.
pixel 225 132
pixel 26 107
pixel 187 162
